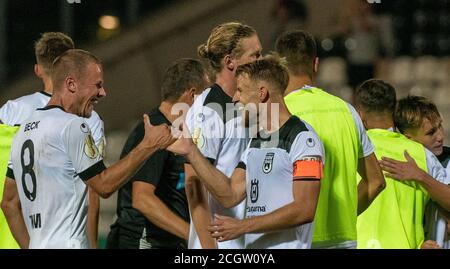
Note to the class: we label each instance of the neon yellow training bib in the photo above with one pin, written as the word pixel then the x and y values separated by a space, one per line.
pixel 6 137
pixel 395 217
pixel 331 118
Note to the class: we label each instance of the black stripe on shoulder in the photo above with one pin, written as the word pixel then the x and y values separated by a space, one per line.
pixel 92 171
pixel 10 173
pixel 51 107
pixel 45 93
pixel 286 135
pixel 289 131
pixel 217 100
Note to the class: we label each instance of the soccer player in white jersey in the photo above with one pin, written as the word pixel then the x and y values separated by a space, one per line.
pixel 15 112
pixel 229 45
pixel 279 174
pixel 54 159
pixel 419 119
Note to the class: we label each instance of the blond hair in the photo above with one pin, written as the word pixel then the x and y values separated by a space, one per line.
pixel 49 46
pixel 223 40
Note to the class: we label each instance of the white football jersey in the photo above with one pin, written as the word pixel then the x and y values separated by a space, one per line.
pixel 435 223
pixel 52 153
pixel 16 111
pixel 219 134
pixel 294 152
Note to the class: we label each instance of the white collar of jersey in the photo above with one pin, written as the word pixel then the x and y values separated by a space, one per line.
pixel 306 87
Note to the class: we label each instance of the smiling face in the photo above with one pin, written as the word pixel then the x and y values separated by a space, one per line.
pixel 248 95
pixel 90 89
pixel 430 134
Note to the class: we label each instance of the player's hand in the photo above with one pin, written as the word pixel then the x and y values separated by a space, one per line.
pixel 401 170
pixel 430 244
pixel 159 137
pixel 225 228
pixel 184 144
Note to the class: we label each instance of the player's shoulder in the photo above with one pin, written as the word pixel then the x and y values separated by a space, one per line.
pixel 156 118
pixel 216 95
pixel 36 98
pixel 210 105
pixel 58 116
pixel 297 131
pixel 293 127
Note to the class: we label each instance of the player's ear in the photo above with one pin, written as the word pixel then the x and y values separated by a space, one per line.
pixel 263 94
pixel 190 95
pixel 38 70
pixel 70 84
pixel 229 63
pixel 316 65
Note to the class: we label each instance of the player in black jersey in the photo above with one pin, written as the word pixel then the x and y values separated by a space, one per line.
pixel 152 208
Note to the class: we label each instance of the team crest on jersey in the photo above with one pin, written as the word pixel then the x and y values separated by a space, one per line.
pixel 200 117
pixel 197 138
pixel 90 149
pixel 310 142
pixel 268 162
pixel 254 190
pixel 84 128
pixel 101 147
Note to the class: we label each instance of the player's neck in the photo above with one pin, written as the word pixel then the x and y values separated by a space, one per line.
pixel 48 85
pixel 166 109
pixel 297 82
pixel 227 81
pixel 378 122
pixel 280 117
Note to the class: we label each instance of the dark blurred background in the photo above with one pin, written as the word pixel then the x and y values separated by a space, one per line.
pixel 406 42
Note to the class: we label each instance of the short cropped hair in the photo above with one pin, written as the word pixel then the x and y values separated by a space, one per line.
pixel 182 75
pixel 269 69
pixel 49 46
pixel 412 110
pixel 72 62
pixel 224 39
pixel 375 95
pixel 299 48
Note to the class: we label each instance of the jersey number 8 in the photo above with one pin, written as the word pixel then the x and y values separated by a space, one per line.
pixel 28 169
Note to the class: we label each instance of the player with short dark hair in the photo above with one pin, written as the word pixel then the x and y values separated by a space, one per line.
pixel 395 218
pixel 345 140
pixel 419 119
pixel 152 209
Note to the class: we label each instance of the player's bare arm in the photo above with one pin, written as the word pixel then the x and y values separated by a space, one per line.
pixel 372 181
pixel 228 191
pixel 409 171
pixel 300 211
pixel 13 213
pixel 198 207
pixel 112 178
pixel 93 216
pixel 146 201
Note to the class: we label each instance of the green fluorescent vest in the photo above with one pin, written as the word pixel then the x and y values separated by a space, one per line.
pixel 6 136
pixel 335 220
pixel 395 217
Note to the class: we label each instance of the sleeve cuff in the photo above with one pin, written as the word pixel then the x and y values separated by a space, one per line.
pixel 92 171
pixel 242 165
pixel 10 173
